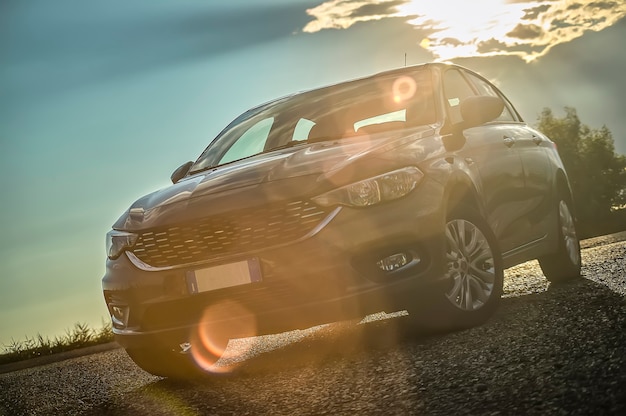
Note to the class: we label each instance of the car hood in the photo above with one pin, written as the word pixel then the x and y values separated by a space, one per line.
pixel 285 174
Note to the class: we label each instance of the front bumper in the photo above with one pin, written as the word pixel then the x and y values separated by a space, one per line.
pixel 329 276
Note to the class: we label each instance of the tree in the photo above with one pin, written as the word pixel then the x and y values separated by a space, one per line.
pixel 597 174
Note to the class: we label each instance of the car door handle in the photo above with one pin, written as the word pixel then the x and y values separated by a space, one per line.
pixel 537 140
pixel 509 141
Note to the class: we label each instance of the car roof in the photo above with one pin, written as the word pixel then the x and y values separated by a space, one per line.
pixel 384 74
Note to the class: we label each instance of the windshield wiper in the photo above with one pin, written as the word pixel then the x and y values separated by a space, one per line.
pixel 287 145
pixel 324 139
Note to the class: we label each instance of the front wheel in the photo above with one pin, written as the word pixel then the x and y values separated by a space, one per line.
pixel 187 361
pixel 164 362
pixel 474 276
pixel 565 263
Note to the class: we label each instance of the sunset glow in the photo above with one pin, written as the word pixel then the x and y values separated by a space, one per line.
pixel 101 103
pixel 457 28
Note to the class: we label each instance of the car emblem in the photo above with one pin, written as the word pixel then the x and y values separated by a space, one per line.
pixel 185 348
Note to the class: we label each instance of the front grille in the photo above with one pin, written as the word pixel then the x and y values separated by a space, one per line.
pixel 236 232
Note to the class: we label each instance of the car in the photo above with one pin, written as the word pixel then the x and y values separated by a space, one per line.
pixel 408 190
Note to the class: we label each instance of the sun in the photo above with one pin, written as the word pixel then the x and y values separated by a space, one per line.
pixel 451 29
pixel 459 27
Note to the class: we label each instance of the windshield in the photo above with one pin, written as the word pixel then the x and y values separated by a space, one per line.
pixel 356 108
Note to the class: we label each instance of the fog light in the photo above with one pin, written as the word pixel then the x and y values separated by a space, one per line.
pixel 119 315
pixel 393 262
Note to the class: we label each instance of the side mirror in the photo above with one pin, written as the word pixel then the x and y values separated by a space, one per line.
pixel 481 109
pixel 181 172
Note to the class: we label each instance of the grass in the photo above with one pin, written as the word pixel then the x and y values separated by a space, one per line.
pixel 78 337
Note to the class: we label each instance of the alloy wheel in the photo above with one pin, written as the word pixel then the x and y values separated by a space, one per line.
pixel 470 265
pixel 568 232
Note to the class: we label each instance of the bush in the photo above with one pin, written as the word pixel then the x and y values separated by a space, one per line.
pixel 596 173
pixel 78 337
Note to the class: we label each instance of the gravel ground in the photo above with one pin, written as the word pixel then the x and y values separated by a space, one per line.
pixel 558 350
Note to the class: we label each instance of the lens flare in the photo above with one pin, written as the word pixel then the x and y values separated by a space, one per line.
pixel 403 89
pixel 219 323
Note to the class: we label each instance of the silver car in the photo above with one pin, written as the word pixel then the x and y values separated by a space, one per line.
pixel 411 189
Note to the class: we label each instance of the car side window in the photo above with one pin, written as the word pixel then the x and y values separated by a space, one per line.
pixel 485 89
pixel 302 130
pixel 455 88
pixel 251 142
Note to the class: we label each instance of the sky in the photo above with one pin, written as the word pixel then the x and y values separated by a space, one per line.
pixel 101 101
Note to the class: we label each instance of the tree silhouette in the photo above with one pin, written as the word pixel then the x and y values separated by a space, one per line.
pixel 597 174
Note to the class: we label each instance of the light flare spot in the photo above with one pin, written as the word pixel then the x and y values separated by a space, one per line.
pixel 219 323
pixel 404 89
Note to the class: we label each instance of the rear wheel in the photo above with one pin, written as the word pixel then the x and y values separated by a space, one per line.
pixel 474 276
pixel 565 263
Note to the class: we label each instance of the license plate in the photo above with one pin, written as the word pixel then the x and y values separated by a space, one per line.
pixel 223 276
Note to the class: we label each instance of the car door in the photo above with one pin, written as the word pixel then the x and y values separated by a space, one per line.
pixel 490 152
pixel 530 145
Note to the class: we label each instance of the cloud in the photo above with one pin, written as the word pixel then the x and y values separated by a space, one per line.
pixel 341 14
pixel 459 28
pixel 378 9
pixel 490 46
pixel 451 42
pixel 557 24
pixel 534 12
pixel 525 32
pixel 603 5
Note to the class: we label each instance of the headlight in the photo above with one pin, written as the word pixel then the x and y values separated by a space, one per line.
pixel 381 188
pixel 118 241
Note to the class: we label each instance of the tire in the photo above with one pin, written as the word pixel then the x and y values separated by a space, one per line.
pixel 188 362
pixel 565 263
pixel 164 363
pixel 474 277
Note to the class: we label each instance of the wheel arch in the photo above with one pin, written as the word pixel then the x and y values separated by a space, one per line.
pixel 461 192
pixel 563 188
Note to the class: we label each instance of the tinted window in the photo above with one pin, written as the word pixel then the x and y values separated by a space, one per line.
pixel 251 142
pixel 381 119
pixel 302 130
pixel 355 108
pixel 485 89
pixel 456 88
